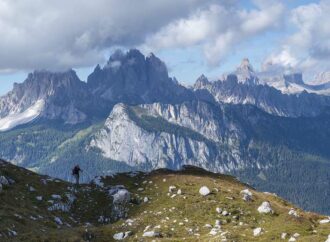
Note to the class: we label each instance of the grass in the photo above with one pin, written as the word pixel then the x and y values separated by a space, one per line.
pixel 178 219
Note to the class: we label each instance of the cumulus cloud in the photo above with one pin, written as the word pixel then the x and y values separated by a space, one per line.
pixel 219 28
pixel 37 34
pixel 62 34
pixel 284 61
pixel 307 48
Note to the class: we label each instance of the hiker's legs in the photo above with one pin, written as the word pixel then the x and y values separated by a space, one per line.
pixel 76 176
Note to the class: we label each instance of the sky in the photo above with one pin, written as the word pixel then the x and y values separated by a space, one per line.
pixel 192 37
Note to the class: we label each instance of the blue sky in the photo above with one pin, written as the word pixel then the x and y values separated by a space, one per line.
pixel 192 37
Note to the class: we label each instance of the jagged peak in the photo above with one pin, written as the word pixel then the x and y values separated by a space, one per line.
pixel 201 81
pixel 246 65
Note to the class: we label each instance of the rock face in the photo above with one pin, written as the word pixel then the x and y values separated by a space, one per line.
pixel 54 96
pixel 246 74
pixel 267 98
pixel 132 78
pixel 158 135
pixel 158 149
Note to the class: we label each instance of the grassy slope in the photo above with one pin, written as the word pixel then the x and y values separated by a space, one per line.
pixel 92 202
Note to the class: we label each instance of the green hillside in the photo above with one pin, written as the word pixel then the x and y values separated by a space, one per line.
pixel 163 203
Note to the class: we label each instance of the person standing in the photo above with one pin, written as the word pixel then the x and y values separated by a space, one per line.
pixel 76 173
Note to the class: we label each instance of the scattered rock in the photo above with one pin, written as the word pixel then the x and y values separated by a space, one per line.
pixel 145 199
pixel 214 231
pixel 257 231
pixel 217 223
pixel 32 189
pixel 121 197
pixel 283 235
pixel 204 191
pixel 179 192
pixel 58 221
pixel 55 196
pixel 219 210
pixel 39 198
pixel 171 189
pixel 265 208
pixel 247 195
pixel 296 235
pixel 292 239
pixel 293 213
pixel 151 234
pixel 122 235
pixel 225 213
pixel 4 181
pixel 325 221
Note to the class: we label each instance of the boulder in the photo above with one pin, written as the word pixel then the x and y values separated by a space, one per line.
pixel 247 195
pixel 265 208
pixel 293 213
pixel 151 234
pixel 204 191
pixel 121 198
pixel 58 221
pixel 325 221
pixel 122 235
pixel 171 189
pixel 4 181
pixel 257 231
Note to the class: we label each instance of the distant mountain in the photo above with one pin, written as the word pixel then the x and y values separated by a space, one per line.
pixel 294 84
pixel 53 96
pixel 245 73
pixel 269 99
pixel 133 78
pixel 130 115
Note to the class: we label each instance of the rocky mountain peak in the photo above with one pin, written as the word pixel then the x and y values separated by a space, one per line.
pixel 245 73
pixel 201 82
pixel 246 65
pixel 133 78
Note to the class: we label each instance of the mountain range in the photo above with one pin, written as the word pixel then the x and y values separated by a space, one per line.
pixel 130 115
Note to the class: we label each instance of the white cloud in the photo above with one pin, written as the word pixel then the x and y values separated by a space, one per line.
pixel 62 34
pixel 307 48
pixel 282 60
pixel 218 28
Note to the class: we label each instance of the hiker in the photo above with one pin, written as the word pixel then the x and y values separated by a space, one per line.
pixel 75 172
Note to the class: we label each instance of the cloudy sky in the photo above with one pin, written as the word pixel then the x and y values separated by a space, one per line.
pixel 191 36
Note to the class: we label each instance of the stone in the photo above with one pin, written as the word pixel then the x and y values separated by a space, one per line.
pixel 151 234
pixel 204 191
pixel 265 208
pixel 171 189
pixel 257 231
